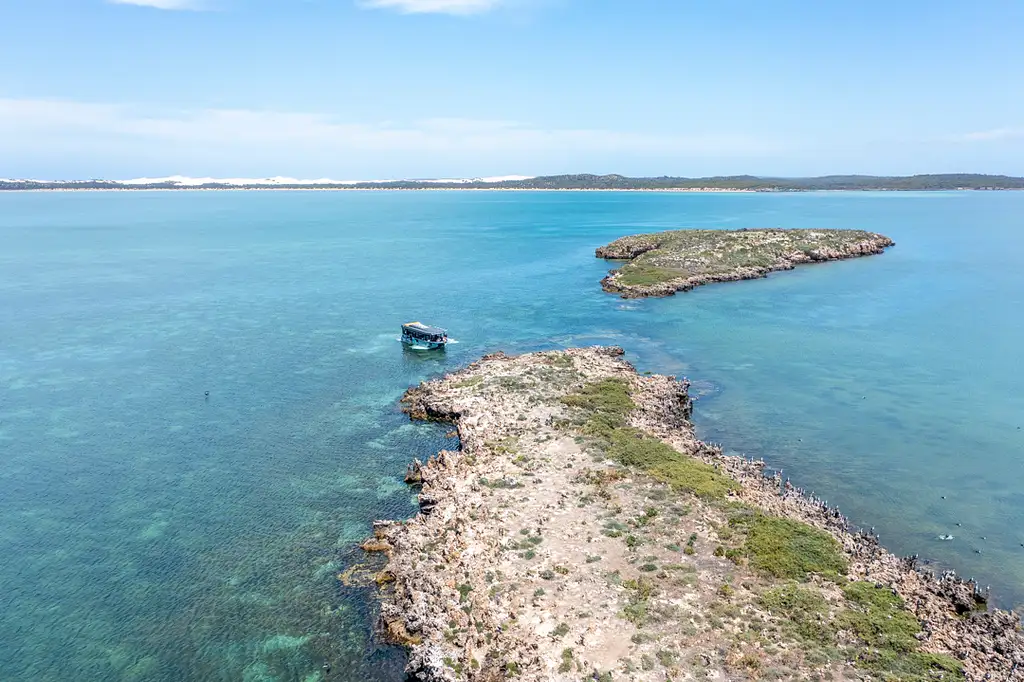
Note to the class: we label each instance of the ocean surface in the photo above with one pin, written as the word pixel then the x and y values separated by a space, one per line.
pixel 149 531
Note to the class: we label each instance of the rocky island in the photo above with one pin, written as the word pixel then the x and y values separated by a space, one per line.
pixel 662 263
pixel 583 532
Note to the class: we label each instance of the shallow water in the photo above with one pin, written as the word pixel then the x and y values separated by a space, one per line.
pixel 152 533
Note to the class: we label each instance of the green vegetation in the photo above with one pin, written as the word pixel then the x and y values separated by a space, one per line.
pixel 709 254
pixel 878 619
pixel 512 383
pixel 500 483
pixel 784 548
pixel 631 447
pixel 650 513
pixel 639 605
pixel 464 591
pixel 874 617
pixel 506 446
pixel 645 274
pixel 666 657
pixel 605 407
pixel 561 361
pixel 529 542
pixel 804 611
pixel 606 403
pixel 566 664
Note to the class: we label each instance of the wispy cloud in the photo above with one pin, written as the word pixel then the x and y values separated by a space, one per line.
pixel 161 4
pixel 241 141
pixel 435 6
pixel 229 126
pixel 456 7
pixel 991 135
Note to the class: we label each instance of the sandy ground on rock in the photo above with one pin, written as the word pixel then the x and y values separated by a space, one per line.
pixel 531 554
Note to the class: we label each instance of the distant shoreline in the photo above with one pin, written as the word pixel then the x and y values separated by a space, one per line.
pixel 401 189
pixel 550 183
pixel 660 190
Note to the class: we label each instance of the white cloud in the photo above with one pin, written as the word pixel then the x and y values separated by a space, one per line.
pixel 160 4
pixel 435 6
pixel 230 126
pixel 252 142
pixel 457 7
pixel 991 135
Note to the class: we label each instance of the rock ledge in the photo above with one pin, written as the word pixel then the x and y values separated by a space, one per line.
pixel 534 556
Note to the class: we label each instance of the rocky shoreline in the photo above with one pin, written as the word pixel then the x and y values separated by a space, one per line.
pixel 682 267
pixel 582 531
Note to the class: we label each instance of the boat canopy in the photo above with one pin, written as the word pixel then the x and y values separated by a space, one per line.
pixel 420 329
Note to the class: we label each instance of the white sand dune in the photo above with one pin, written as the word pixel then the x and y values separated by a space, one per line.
pixel 279 180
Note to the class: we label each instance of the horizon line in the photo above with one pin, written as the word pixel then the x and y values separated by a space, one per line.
pixel 285 181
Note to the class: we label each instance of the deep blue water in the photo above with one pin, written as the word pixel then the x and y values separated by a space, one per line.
pixel 150 533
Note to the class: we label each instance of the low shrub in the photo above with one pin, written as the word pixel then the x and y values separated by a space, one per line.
pixel 789 549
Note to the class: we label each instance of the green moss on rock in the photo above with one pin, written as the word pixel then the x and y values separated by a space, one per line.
pixel 805 611
pixel 789 549
pixel 605 408
pixel 877 630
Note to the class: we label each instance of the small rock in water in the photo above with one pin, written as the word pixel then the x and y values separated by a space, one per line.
pixel 946 537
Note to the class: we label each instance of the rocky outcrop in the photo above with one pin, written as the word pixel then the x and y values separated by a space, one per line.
pixel 535 557
pixel 628 248
pixel 684 264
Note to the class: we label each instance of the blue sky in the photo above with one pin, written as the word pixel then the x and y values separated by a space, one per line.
pixel 361 89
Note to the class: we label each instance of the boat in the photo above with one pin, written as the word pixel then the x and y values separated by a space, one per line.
pixel 423 337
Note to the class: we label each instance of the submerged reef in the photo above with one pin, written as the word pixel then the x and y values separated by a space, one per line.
pixel 662 263
pixel 582 531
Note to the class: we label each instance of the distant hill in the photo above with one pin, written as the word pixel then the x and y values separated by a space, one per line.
pixel 585 181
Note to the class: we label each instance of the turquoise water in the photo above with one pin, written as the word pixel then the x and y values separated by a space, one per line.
pixel 152 533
